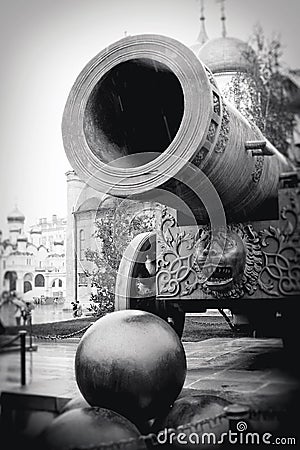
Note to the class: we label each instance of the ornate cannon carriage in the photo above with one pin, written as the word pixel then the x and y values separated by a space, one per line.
pixel 145 120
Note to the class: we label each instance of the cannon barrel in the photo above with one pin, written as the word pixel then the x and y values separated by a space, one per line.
pixel 146 108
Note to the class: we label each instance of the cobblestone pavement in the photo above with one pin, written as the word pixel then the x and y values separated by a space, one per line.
pixel 243 370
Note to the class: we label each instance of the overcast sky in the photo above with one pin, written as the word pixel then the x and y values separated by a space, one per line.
pixel 45 44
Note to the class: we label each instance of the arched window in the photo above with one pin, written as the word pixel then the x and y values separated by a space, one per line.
pixel 27 286
pixel 57 283
pixel 39 281
pixel 28 277
pixel 10 280
pixel 81 244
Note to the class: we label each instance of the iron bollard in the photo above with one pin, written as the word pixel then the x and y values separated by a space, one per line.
pixel 30 332
pixel 238 416
pixel 22 335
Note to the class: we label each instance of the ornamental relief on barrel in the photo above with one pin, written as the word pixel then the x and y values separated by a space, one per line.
pixel 258 168
pixel 235 262
pixel 221 264
pixel 216 103
pixel 215 131
pixel 228 261
pixel 224 131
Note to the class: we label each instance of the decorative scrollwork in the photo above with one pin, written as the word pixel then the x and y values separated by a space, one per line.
pixel 216 103
pixel 280 275
pixel 251 263
pixel 175 273
pixel 185 256
pixel 200 156
pixel 214 125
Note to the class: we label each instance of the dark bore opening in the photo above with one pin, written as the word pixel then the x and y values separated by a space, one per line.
pixel 137 107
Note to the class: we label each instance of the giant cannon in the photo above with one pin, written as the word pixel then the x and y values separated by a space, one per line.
pixel 145 120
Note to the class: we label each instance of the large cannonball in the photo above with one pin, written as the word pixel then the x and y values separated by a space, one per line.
pixel 191 410
pixel 131 362
pixel 75 403
pixel 89 427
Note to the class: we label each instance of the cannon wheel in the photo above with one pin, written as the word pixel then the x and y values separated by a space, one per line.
pixel 126 294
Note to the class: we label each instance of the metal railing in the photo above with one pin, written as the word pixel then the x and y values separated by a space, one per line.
pixel 235 418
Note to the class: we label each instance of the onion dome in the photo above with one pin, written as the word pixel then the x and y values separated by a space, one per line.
pixel 227 55
pixel 16 216
pixel 202 36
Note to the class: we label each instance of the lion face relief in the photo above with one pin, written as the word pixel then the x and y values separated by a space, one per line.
pixel 225 262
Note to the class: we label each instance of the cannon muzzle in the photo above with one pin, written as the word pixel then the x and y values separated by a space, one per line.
pixel 145 111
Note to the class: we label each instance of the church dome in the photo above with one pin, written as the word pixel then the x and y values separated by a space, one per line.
pixel 16 216
pixel 110 202
pixel 97 204
pixel 227 54
pixel 90 204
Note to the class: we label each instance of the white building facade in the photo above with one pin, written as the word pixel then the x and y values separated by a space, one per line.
pixel 85 207
pixel 33 263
